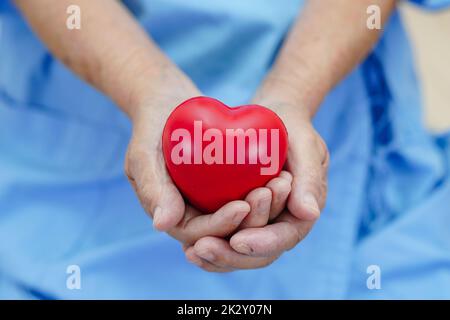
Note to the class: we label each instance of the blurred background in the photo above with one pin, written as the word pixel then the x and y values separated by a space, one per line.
pixel 429 36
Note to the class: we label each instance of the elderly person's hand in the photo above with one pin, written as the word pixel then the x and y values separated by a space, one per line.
pixel 257 245
pixel 147 173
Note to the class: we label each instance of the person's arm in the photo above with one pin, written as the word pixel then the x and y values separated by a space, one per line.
pixel 114 54
pixel 327 41
pixel 110 51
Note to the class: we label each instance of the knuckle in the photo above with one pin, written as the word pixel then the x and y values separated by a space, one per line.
pixel 137 154
pixel 147 197
pixel 221 261
pixel 128 167
pixel 185 221
pixel 285 187
pixel 285 175
pixel 323 151
pixel 211 222
pixel 268 262
pixel 136 157
pixel 279 188
pixel 183 224
pixel 322 184
pixel 310 134
pixel 323 189
pixel 298 236
pixel 264 262
pixel 214 269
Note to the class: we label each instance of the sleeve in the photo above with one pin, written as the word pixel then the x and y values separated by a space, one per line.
pixel 6 7
pixel 432 4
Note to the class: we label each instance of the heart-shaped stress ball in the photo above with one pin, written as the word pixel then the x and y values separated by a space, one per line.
pixel 216 154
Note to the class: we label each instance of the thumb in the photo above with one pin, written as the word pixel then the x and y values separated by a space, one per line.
pixel 165 204
pixel 308 163
pixel 154 188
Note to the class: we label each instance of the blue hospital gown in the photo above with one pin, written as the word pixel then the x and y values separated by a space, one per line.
pixel 64 199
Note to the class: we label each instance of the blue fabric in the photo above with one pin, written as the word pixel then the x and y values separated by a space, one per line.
pixel 64 198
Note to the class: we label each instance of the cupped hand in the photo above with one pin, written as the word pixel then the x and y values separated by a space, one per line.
pixel 259 244
pixel 147 173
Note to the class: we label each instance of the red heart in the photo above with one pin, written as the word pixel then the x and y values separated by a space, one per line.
pixel 205 155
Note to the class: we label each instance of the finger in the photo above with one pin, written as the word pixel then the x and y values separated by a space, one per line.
pixel 280 187
pixel 308 163
pixel 260 201
pixel 202 263
pixel 218 252
pixel 220 224
pixel 286 175
pixel 154 188
pixel 272 239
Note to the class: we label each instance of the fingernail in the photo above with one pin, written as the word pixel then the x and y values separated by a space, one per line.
pixel 209 256
pixel 157 216
pixel 310 202
pixel 243 248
